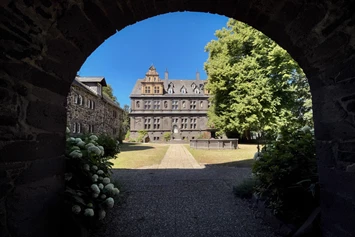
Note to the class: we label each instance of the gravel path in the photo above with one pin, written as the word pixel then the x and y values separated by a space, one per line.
pixel 182 202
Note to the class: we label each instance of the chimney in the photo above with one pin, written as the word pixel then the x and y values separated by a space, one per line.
pixel 166 74
pixel 197 75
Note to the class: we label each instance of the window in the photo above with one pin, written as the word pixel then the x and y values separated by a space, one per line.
pixel 147 89
pixel 183 123
pixel 156 89
pixel 193 85
pixel 165 104
pixel 74 128
pixel 156 123
pixel 138 104
pixel 147 104
pixel 170 90
pixel 78 128
pixel 193 104
pixel 197 91
pixel 114 114
pixel 157 104
pixel 92 104
pixel 147 123
pixel 184 104
pixel 183 91
pixel 175 104
pixel 88 103
pixel 201 104
pixel 75 99
pixel 91 128
pixel 193 124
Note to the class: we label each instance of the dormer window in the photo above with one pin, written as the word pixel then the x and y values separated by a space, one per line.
pixel 170 90
pixel 193 85
pixel 197 91
pixel 156 89
pixel 147 90
pixel 183 91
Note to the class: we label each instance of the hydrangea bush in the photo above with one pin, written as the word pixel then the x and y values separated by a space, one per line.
pixel 89 190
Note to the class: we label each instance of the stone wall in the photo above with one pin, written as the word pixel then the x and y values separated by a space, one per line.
pixel 102 118
pixel 44 43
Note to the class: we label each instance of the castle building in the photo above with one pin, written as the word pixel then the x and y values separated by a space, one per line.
pixel 89 110
pixel 169 105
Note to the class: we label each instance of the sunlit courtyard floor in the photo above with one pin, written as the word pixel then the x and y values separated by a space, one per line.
pixel 177 201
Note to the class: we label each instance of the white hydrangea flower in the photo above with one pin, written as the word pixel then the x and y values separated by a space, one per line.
pixel 86 167
pixel 78 139
pixel 71 139
pixel 102 150
pixel 106 181
pixel 81 144
pixel 95 188
pixel 102 214
pixel 109 187
pixel 76 209
pixel 100 172
pixel 94 178
pixel 93 138
pixel 75 148
pixel 101 186
pixel 89 212
pixel 94 149
pixel 115 191
pixel 94 167
pixel 103 196
pixel 95 195
pixel 75 154
pixel 110 202
pixel 89 145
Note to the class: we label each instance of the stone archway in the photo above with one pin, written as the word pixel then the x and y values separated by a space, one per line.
pixel 43 44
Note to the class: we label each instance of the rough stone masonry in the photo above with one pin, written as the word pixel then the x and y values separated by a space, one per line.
pixel 44 43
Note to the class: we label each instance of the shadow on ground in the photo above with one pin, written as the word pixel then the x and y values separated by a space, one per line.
pixel 134 147
pixel 182 202
pixel 239 164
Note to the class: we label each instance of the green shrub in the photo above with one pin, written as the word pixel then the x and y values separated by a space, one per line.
pixel 141 135
pixel 287 172
pixel 246 188
pixel 127 136
pixel 167 136
pixel 89 192
pixel 110 144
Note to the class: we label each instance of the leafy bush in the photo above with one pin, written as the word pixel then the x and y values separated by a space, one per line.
pixel 167 136
pixel 128 134
pixel 246 188
pixel 142 134
pixel 89 192
pixel 204 135
pixel 287 171
pixel 110 144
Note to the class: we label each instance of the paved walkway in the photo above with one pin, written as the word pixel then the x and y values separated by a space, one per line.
pixel 181 198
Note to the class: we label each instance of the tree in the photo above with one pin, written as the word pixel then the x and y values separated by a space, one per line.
pixel 126 120
pixel 108 91
pixel 254 83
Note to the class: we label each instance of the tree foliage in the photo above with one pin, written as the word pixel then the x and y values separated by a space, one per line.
pixel 108 91
pixel 254 83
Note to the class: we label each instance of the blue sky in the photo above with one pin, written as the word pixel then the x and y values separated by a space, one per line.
pixel 175 41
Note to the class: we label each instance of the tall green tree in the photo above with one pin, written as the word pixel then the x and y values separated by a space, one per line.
pixel 108 91
pixel 254 83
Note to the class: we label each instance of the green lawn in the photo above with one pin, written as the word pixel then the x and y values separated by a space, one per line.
pixel 242 157
pixel 135 155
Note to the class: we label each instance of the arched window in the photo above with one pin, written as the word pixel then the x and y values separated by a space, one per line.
pixel 184 104
pixel 197 91
pixel 201 104
pixel 165 104
pixel 80 100
pixel 75 98
pixel 170 90
pixel 137 104
pixel 183 91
